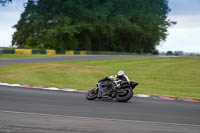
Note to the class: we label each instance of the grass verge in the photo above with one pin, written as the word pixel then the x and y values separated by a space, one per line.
pixel 175 77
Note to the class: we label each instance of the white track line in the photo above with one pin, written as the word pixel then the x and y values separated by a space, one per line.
pixel 93 118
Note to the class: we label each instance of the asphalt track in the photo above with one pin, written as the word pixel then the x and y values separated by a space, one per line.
pixel 24 110
pixel 37 110
pixel 67 58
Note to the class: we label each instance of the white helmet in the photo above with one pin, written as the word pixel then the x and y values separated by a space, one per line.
pixel 120 73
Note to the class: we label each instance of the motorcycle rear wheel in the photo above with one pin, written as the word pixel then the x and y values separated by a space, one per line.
pixel 92 94
pixel 125 97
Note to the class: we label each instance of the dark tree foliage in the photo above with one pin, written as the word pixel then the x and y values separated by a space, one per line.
pixel 169 53
pixel 100 25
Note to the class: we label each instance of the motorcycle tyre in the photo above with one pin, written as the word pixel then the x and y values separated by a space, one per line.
pixel 128 96
pixel 89 97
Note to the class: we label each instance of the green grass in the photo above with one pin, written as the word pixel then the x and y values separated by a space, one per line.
pixel 11 56
pixel 175 77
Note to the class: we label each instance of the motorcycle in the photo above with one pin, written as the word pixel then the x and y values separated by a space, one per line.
pixel 104 89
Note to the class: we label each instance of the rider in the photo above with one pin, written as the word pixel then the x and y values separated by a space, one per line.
pixel 116 80
pixel 119 78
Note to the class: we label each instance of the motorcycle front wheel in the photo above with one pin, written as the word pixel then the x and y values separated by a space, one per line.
pixel 124 97
pixel 92 94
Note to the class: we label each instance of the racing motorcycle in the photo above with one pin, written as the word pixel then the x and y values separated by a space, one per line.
pixel 107 88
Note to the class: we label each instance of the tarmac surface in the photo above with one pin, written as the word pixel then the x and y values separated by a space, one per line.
pixel 35 110
pixel 69 58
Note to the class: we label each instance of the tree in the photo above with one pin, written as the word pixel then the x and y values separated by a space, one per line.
pixel 100 25
pixel 169 53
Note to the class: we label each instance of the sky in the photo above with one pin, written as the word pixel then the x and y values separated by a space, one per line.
pixel 9 16
pixel 184 36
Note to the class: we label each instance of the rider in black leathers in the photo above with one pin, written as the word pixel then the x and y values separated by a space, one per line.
pixel 115 81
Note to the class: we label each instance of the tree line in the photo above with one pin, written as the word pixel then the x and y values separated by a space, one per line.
pixel 97 25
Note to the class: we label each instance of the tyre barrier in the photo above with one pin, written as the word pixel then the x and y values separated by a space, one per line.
pixel 51 52
pixel 42 51
pixel 83 52
pixel 77 52
pixel 23 51
pixel 60 52
pixel 8 51
pixel 69 52
pixel 38 51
